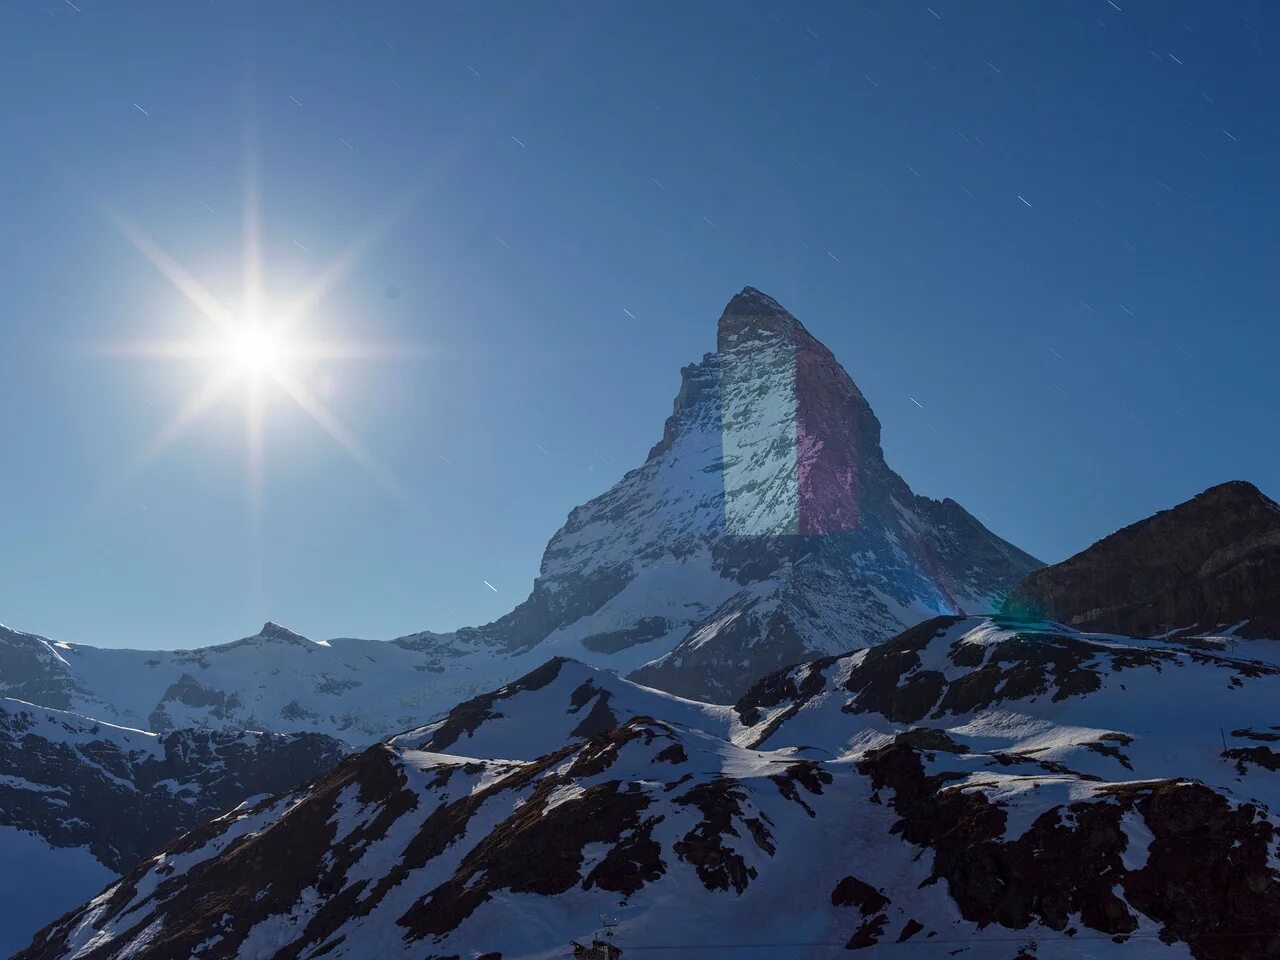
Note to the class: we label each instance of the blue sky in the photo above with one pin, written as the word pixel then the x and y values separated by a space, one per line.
pixel 1052 225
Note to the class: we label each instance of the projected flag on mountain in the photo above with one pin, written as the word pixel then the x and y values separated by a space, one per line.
pixel 782 474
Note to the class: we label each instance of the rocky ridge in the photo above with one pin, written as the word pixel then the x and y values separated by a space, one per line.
pixel 1211 564
pixel 81 800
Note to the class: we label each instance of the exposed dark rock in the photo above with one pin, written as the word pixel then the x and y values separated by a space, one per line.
pixel 1210 563
pixel 1259 756
pixel 888 680
pixel 599 753
pixel 599 718
pixel 124 794
pixel 931 740
pixel 1109 750
pixel 718 865
pixel 909 930
pixel 644 630
pixel 542 854
pixel 31 671
pixel 852 892
pixel 1206 877
pixel 673 754
pixel 793 686
pixel 190 692
pixel 808 775
pixel 257 875
pixel 1029 663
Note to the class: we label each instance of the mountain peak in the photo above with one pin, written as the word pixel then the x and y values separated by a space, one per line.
pixel 800 440
pixel 754 299
pixel 753 315
pixel 274 631
pixel 1232 496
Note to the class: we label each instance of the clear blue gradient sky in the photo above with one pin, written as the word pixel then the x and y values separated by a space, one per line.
pixel 1103 347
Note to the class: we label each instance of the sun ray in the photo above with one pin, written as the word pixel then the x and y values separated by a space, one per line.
pixel 195 406
pixel 345 350
pixel 333 272
pixel 252 252
pixel 204 349
pixel 336 429
pixel 173 271
pixel 254 452
pixel 337 268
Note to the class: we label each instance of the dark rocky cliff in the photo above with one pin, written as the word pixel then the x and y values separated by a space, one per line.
pixel 1210 563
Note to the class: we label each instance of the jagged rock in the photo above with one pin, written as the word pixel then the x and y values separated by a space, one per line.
pixel 87 792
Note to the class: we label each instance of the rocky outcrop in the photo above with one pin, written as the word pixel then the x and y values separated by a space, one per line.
pixel 1209 564
pixel 121 793
pixel 81 800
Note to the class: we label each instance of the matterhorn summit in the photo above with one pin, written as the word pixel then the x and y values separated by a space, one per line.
pixel 764 527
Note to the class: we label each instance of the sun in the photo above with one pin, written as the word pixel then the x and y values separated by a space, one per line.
pixel 257 354
pixel 256 350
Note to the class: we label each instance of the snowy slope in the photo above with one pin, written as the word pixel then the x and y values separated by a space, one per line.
pixel 975 787
pixel 558 703
pixel 82 800
pixel 764 528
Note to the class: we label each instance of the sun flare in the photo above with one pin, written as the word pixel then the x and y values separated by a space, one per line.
pixel 255 358
pixel 256 350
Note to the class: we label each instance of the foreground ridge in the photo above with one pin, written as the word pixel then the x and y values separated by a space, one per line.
pixel 976 781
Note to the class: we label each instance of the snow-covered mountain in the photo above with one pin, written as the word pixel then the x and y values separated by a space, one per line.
pixel 765 527
pixel 974 787
pixel 81 800
pixel 559 702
